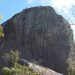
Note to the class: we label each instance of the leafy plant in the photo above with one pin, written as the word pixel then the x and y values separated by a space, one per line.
pixel 1 30
pixel 16 68
pixel 14 56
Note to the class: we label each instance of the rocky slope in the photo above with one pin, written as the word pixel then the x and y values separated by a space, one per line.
pixel 41 35
pixel 42 70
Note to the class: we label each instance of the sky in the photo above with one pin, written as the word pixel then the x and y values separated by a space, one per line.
pixel 66 8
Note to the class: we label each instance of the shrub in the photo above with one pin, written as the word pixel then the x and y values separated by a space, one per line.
pixel 6 71
pixel 18 70
pixel 14 56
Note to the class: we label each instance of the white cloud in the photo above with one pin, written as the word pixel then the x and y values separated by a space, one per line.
pixel 41 1
pixel 64 7
pixel 44 1
pixel 57 4
pixel 61 6
pixel 30 1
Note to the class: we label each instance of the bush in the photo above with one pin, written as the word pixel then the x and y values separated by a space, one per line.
pixel 18 70
pixel 6 71
pixel 14 56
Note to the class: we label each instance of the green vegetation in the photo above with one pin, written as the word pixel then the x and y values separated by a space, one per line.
pixel 14 56
pixel 16 68
pixel 1 30
pixel 71 69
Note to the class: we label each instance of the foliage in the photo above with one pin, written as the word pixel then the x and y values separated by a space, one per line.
pixel 6 71
pixel 14 56
pixel 16 68
pixel 0 17
pixel 1 29
pixel 71 69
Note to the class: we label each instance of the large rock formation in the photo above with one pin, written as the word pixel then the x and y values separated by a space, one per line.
pixel 41 35
pixel 42 70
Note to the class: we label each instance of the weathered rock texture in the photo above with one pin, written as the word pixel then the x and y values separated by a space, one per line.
pixel 42 70
pixel 40 35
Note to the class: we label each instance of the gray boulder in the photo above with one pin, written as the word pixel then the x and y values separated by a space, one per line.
pixel 41 35
pixel 42 70
pixel 23 62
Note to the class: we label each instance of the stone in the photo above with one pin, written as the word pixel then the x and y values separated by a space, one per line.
pixel 42 70
pixel 23 62
pixel 41 36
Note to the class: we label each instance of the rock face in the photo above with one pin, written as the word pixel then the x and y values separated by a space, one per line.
pixel 42 70
pixel 40 35
pixel 5 61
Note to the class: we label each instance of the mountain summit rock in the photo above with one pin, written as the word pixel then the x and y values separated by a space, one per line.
pixel 41 35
